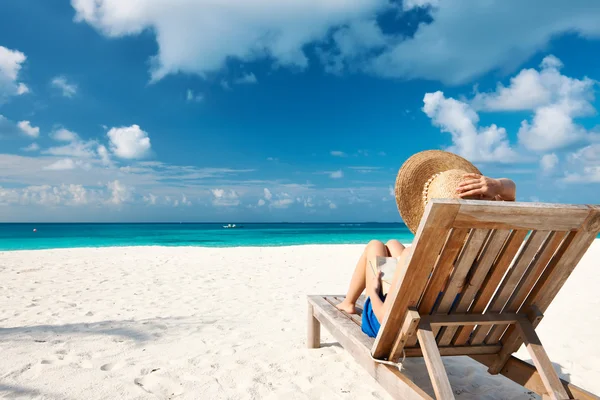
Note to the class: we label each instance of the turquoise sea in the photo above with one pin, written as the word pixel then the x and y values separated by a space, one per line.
pixel 48 236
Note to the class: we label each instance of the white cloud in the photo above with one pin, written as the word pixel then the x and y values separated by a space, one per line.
pixel 457 47
pixel 31 147
pixel 268 194
pixel 336 174
pixel 27 129
pixel 552 128
pixel 104 155
pixel 119 193
pixel 248 78
pixel 410 4
pixel 66 164
pixel 554 98
pixel 150 199
pixel 185 201
pixel 548 162
pixel 67 89
pixel 200 36
pixel 11 62
pixel 76 149
pixel 46 195
pixel 282 203
pixel 129 142
pixel 22 89
pixel 332 205
pixel 64 135
pixel 337 153
pixel 478 144
pixel 261 202
pixel 391 191
pixel 193 97
pixel 225 197
pixel 213 32
pixel 584 165
pixel 61 165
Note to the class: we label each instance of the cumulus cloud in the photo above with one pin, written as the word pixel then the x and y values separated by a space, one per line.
pixel 119 193
pixel 27 129
pixel 584 165
pixel 225 197
pixel 64 135
pixel 215 32
pixel 548 162
pixel 66 88
pixel 453 47
pixel 104 155
pixel 150 199
pixel 456 47
pixel 555 99
pixel 337 153
pixel 478 144
pixel 268 195
pixel 11 62
pixel 332 205
pixel 46 195
pixel 129 142
pixel 261 202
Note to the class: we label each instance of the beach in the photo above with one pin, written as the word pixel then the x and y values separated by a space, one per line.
pixel 225 323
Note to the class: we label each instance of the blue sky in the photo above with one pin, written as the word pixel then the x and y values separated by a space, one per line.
pixel 153 110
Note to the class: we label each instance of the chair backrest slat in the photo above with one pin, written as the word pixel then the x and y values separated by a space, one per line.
pixel 475 279
pixel 491 281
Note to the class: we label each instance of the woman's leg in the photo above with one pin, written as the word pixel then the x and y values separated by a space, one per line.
pixel 358 283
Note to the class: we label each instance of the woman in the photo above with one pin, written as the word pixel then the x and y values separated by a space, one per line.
pixel 424 176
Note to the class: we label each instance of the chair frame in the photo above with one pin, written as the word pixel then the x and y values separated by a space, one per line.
pixel 497 266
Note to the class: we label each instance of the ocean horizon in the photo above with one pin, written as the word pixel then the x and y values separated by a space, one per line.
pixel 38 236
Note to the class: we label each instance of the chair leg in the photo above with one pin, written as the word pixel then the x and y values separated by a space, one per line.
pixel 541 361
pixel 313 339
pixel 433 361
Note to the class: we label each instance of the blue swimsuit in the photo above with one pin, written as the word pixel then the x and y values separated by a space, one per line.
pixel 370 324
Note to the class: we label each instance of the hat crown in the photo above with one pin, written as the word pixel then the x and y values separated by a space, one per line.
pixel 443 185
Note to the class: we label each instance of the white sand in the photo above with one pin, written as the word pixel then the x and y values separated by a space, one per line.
pixel 200 323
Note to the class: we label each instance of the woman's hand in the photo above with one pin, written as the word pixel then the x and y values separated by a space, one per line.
pixel 479 185
pixel 377 284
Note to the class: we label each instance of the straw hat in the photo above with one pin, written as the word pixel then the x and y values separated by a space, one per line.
pixel 427 175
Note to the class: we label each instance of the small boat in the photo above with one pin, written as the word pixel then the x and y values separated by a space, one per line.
pixel 231 226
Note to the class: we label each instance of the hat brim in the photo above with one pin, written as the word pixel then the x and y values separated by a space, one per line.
pixel 413 175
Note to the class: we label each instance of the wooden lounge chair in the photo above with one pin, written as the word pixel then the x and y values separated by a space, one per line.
pixel 505 261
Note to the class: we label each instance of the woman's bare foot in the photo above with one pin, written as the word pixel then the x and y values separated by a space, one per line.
pixel 347 307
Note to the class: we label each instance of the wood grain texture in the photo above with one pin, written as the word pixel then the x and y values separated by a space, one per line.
pixel 429 240
pixel 491 281
pixel 524 216
pixel 459 274
pixel 433 361
pixel 350 336
pixel 541 360
pixel 527 376
pixel 313 338
pixel 476 277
